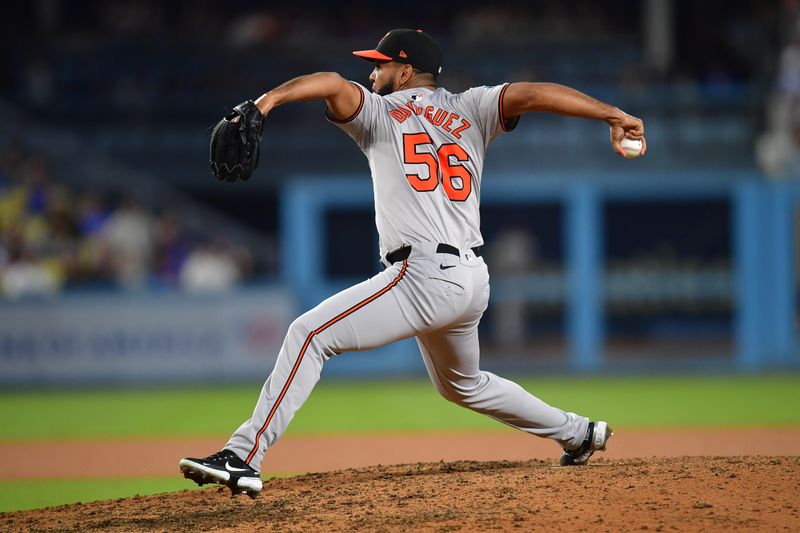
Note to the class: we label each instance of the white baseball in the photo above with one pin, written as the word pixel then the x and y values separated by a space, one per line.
pixel 631 147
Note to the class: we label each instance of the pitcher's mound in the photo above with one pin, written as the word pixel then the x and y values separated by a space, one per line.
pixel 686 493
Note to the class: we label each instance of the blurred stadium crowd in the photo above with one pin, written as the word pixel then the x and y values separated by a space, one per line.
pixel 54 236
pixel 138 76
pixel 141 81
pixel 778 149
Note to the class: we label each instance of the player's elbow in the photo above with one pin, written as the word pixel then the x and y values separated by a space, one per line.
pixel 333 82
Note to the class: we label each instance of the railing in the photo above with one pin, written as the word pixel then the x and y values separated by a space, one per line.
pixel 759 284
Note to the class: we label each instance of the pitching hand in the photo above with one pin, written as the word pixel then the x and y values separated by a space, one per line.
pixel 626 126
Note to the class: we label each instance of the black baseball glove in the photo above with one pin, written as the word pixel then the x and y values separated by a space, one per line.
pixel 235 143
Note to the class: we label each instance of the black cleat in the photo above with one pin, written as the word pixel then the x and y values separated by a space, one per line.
pixel 596 438
pixel 225 468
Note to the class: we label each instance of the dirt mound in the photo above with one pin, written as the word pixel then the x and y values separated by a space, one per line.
pixel 686 493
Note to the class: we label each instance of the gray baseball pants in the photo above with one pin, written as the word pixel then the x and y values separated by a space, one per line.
pixel 439 298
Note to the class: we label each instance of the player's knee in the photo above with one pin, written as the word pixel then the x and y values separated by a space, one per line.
pixel 461 392
pixel 305 338
pixel 300 329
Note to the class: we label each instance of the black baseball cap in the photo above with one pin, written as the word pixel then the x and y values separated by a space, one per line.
pixel 412 47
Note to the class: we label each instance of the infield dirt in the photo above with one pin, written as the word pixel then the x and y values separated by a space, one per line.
pixel 658 494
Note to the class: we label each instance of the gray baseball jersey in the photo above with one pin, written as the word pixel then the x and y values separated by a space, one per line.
pixel 425 150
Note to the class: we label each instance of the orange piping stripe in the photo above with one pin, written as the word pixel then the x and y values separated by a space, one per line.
pixel 354 115
pixel 500 108
pixel 320 329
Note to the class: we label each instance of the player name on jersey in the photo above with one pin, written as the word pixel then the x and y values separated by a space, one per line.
pixel 448 121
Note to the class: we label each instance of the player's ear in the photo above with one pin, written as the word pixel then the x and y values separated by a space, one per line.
pixel 407 73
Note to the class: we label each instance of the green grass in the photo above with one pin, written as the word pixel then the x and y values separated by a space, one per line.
pixel 18 495
pixel 337 407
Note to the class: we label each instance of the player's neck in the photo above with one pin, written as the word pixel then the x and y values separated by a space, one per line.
pixel 417 84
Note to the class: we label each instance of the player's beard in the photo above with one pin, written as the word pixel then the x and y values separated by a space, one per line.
pixel 385 89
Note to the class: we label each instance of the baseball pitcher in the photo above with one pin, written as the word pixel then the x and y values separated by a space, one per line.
pixel 425 147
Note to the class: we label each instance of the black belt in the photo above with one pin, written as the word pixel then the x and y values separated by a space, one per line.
pixel 402 254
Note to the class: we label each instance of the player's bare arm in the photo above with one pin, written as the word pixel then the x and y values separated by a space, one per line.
pixel 526 97
pixel 342 97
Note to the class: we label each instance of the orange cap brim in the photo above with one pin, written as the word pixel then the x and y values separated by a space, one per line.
pixel 372 55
